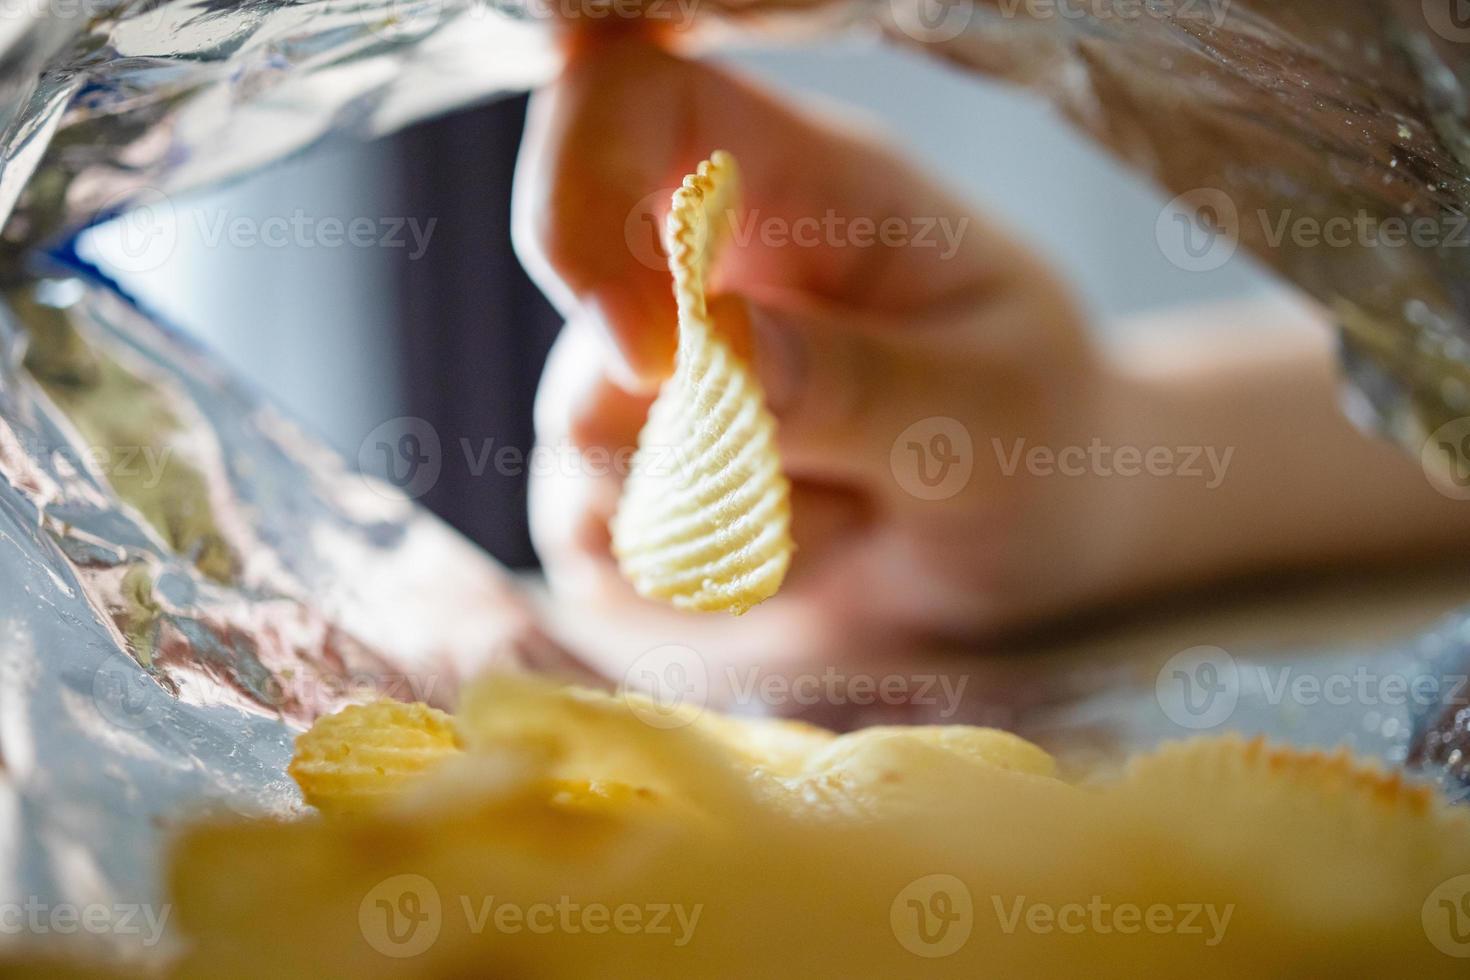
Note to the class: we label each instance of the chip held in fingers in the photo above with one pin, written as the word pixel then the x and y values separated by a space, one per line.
pixel 705 518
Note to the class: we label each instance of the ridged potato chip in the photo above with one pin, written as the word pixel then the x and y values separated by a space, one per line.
pixel 704 522
pixel 367 753
pixel 939 852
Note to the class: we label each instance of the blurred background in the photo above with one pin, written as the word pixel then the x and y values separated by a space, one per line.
pixel 412 305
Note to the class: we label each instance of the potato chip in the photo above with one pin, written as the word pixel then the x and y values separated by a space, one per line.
pixel 704 522
pixel 940 852
pixel 367 753
pixel 589 735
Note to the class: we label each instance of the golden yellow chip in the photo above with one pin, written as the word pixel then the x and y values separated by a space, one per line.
pixel 705 518
pixel 366 753
pixel 735 848
pixel 776 746
pixel 586 735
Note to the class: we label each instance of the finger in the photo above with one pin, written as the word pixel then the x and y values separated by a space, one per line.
pixel 843 384
pixel 577 183
pixel 576 402
pixel 593 423
pixel 825 209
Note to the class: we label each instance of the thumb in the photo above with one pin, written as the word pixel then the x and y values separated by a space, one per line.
pixel 841 389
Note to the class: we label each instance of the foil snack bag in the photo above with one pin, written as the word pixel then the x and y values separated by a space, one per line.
pixel 186 578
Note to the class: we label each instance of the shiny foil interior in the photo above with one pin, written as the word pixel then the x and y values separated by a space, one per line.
pixel 188 578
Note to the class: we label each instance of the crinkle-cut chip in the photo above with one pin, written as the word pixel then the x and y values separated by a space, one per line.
pixel 892 770
pixel 1261 782
pixel 1253 768
pixel 365 754
pixel 1264 861
pixel 776 746
pixel 980 746
pixel 705 518
pixel 1335 840
pixel 581 734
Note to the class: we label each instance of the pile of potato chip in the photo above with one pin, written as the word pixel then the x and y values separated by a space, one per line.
pixel 556 832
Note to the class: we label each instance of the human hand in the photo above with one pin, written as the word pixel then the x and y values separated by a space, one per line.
pixel 880 313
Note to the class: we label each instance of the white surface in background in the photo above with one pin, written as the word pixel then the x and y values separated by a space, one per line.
pixel 309 321
pixel 1015 158
pixel 314 326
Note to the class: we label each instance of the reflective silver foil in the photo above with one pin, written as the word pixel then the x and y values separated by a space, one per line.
pixel 186 578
